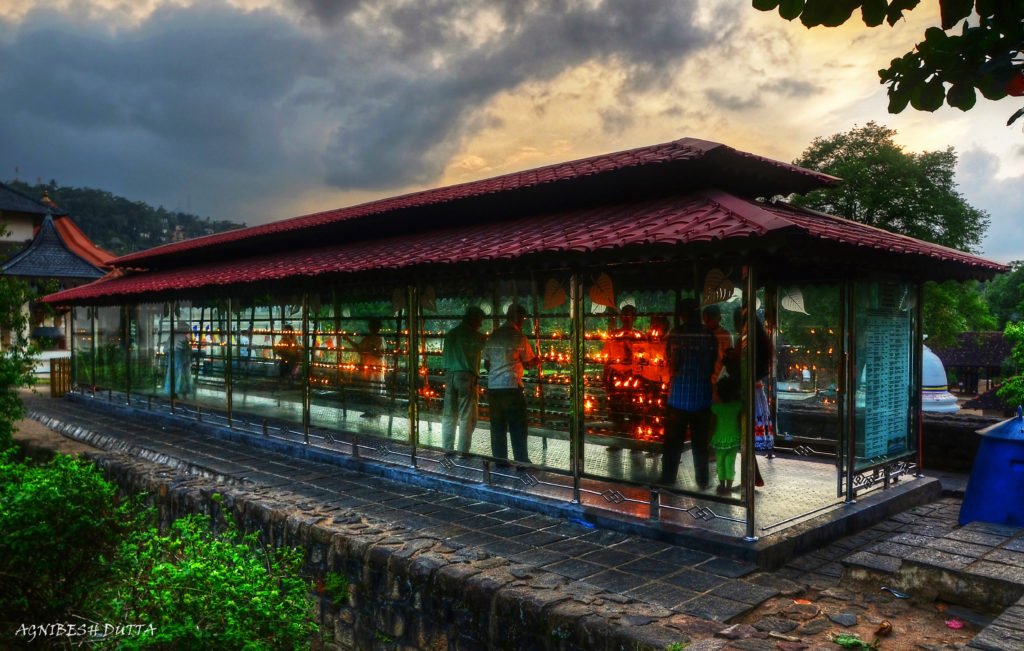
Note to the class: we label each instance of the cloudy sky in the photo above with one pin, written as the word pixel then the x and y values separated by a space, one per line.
pixel 256 110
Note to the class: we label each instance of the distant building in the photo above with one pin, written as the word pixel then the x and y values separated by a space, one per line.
pixel 44 244
pixel 974 357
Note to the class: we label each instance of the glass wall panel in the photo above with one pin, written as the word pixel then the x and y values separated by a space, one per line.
pixel 200 377
pixel 808 354
pixel 110 358
pixel 884 386
pixel 359 382
pixel 82 345
pixel 522 388
pixel 149 337
pixel 266 360
pixel 636 322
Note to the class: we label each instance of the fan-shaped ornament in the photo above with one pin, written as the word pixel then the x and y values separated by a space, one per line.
pixel 602 291
pixel 793 300
pixel 554 294
pixel 717 287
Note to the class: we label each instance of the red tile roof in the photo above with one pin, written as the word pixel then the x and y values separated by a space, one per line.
pixel 80 244
pixel 698 217
pixel 845 231
pixel 740 167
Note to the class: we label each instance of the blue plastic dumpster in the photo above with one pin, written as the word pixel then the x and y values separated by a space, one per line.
pixel 995 489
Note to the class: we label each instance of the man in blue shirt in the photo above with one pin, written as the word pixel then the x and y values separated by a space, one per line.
pixel 692 351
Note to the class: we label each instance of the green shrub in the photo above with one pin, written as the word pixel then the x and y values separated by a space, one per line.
pixel 58 522
pixel 197 589
pixel 1012 390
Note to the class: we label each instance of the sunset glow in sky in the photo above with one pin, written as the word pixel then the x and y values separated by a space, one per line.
pixel 253 111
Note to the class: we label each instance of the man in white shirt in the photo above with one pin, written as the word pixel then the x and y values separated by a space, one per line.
pixel 506 355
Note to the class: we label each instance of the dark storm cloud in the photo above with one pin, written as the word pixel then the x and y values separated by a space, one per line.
pixel 189 100
pixel 215 103
pixel 407 122
pixel 731 102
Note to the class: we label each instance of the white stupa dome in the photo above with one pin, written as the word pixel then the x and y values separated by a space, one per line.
pixel 935 395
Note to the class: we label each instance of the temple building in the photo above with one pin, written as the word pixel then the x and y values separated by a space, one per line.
pixel 326 332
pixel 54 254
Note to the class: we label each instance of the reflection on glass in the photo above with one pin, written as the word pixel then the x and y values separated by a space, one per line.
pixel 808 351
pixel 110 361
pixel 83 346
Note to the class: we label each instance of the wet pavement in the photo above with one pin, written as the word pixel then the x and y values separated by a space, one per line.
pixel 689 593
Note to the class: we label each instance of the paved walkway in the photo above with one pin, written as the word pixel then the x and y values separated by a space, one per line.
pixel 707 590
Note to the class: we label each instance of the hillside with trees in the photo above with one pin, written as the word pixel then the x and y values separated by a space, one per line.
pixel 121 225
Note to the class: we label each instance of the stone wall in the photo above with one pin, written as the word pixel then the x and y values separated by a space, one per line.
pixel 951 440
pixel 408 590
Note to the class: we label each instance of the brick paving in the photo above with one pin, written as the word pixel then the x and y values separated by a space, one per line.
pixel 921 550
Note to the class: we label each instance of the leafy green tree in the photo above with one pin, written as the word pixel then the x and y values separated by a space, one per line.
pixel 954 61
pixel 951 308
pixel 16 357
pixel 913 194
pixel 1005 295
pixel 1011 392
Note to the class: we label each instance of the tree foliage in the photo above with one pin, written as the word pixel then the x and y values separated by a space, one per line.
pixel 16 358
pixel 1005 295
pixel 57 519
pixel 913 194
pixel 121 225
pixel 71 552
pixel 206 590
pixel 1011 392
pixel 977 48
pixel 887 187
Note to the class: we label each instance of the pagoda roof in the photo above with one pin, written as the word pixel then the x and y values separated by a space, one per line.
pixel 59 249
pixel 13 201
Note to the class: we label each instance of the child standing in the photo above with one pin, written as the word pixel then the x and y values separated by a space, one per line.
pixel 726 425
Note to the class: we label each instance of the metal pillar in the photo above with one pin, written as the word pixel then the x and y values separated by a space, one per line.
pixel 93 353
pixel 306 356
pixel 412 301
pixel 126 336
pixel 577 420
pixel 228 363
pixel 171 352
pixel 918 404
pixel 747 374
pixel 71 346
pixel 851 391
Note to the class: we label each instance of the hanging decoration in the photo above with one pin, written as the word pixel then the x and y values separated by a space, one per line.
pixel 428 299
pixel 398 299
pixel 717 287
pixel 602 292
pixel 792 299
pixel 554 294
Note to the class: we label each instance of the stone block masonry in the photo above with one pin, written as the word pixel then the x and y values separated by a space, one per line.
pixel 407 589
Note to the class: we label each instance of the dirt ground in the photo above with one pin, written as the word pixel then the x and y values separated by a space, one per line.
pixel 915 626
pixel 33 435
